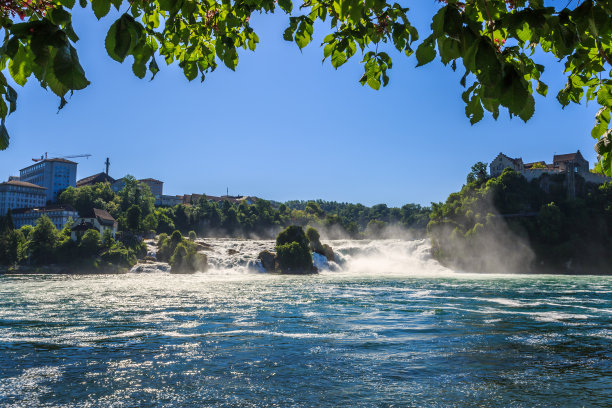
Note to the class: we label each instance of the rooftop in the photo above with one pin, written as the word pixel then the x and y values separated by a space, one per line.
pixel 49 208
pixel 567 157
pixel 22 184
pixel 96 178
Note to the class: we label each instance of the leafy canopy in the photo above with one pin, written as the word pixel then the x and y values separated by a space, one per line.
pixel 494 41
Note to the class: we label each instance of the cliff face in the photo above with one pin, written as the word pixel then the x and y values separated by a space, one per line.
pixel 510 224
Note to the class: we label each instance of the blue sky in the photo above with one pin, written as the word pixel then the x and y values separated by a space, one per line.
pixel 284 126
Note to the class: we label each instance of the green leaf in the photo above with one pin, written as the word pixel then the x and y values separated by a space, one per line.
pixel 474 110
pixel 83 3
pixel 338 58
pixel 528 110
pixel 226 51
pixel 11 98
pixel 514 94
pixel 20 67
pixel 67 3
pixel 68 70
pixel 122 37
pixel 153 67
pixel 286 6
pixel 606 163
pixel 59 16
pixel 604 95
pixel 425 53
pixel 303 34
pixel 373 82
pixel 190 69
pixel 4 136
pixel 542 88
pixel 327 50
pixel 100 7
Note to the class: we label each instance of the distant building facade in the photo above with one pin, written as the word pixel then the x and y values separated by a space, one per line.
pixel 118 185
pixel 168 200
pixel 20 194
pixel 58 214
pixel 156 186
pixel 55 175
pixel 562 163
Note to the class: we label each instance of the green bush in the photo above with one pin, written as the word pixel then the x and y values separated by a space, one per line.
pixel 192 236
pixel 119 255
pixel 186 259
pixel 293 252
pixel 90 243
pixel 293 233
pixel 294 258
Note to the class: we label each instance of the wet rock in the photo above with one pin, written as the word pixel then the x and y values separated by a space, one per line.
pixel 268 260
pixel 232 251
pixel 151 268
pixel 328 252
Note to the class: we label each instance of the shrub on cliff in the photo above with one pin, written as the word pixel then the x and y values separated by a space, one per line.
pixel 293 252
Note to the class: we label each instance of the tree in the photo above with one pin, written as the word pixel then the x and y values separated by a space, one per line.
pixel 90 244
pixel 42 241
pixel 150 222
pixel 11 247
pixel 494 40
pixel 134 215
pixel 478 174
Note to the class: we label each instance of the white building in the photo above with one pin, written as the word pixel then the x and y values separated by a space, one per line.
pixel 55 175
pixel 58 214
pixel 20 194
pixel 99 220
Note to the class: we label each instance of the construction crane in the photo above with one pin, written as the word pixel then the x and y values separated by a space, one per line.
pixel 87 155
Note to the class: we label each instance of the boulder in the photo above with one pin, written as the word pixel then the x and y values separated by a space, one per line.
pixel 268 260
pixel 328 252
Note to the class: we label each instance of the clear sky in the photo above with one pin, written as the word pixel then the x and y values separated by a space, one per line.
pixel 284 126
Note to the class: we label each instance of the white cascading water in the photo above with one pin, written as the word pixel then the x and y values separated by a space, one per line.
pixel 389 256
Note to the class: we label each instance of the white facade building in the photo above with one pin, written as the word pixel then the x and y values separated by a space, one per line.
pixel 99 220
pixel 55 175
pixel 20 194
pixel 59 215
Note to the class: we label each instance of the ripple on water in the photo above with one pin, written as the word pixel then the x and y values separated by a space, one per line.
pixel 328 340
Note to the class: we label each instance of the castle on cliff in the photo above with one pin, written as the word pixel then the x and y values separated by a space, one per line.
pixel 562 163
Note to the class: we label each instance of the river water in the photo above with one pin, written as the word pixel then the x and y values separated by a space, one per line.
pixel 387 328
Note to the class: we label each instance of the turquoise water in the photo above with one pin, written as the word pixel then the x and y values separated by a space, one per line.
pixel 331 340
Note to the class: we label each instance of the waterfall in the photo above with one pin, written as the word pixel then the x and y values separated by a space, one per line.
pixel 360 257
